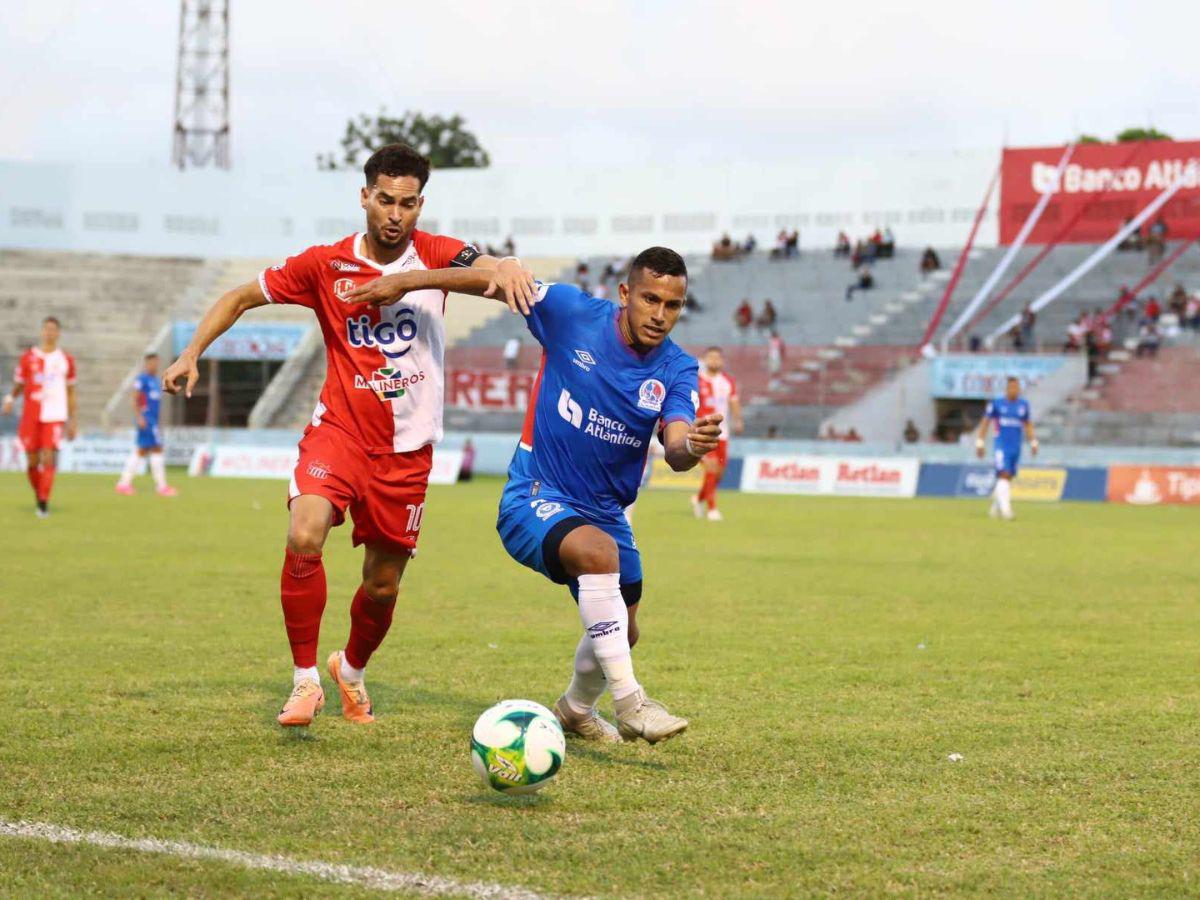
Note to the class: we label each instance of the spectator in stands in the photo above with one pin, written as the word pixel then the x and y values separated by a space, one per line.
pixel 512 352
pixel 779 251
pixel 1017 337
pixel 793 244
pixel 750 244
pixel 1028 321
pixel 1177 302
pixel 1075 334
pixel 1133 241
pixel 510 247
pixel 725 249
pixel 1148 340
pixel 831 434
pixel 975 344
pixel 852 436
pixel 467 468
pixel 601 291
pixel 772 432
pixel 776 352
pixel 930 261
pixel 691 304
pixel 1153 310
pixel 842 247
pixel 581 271
pixel 767 318
pixel 1156 240
pixel 743 316
pixel 911 433
pixel 888 247
pixel 1191 313
pixel 864 282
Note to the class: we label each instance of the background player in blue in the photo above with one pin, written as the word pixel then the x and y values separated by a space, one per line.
pixel 147 395
pixel 1009 417
pixel 610 380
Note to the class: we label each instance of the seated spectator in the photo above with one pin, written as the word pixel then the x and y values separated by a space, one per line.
pixel 864 282
pixel 581 270
pixel 768 316
pixel 1153 310
pixel 888 247
pixel 831 434
pixel 691 304
pixel 1178 301
pixel 1075 333
pixel 852 436
pixel 467 468
pixel 930 261
pixel 911 433
pixel 725 249
pixel 750 245
pixel 1017 338
pixel 842 247
pixel 856 255
pixel 512 352
pixel 792 245
pixel 1191 313
pixel 975 344
pixel 776 353
pixel 1156 240
pixel 779 251
pixel 743 316
pixel 510 247
pixel 1028 321
pixel 772 432
pixel 1133 240
pixel 1148 340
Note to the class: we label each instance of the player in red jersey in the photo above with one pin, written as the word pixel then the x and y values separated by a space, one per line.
pixel 369 445
pixel 718 394
pixel 45 374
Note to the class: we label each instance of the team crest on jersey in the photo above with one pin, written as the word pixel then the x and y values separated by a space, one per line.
pixel 387 383
pixel 651 395
pixel 343 286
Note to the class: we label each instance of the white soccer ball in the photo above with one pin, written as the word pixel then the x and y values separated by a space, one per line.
pixel 517 747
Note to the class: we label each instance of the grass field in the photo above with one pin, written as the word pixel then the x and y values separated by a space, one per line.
pixel 830 653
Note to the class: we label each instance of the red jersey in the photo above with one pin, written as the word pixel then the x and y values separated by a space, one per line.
pixel 715 393
pixel 45 377
pixel 384 379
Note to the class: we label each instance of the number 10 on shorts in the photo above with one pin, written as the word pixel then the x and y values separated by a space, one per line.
pixel 416 511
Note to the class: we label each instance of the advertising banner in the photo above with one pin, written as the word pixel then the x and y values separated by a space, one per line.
pixel 853 476
pixel 973 376
pixel 663 476
pixel 1031 483
pixel 246 340
pixel 1152 485
pixel 229 461
pixel 1039 484
pixel 105 455
pixel 1108 183
pixel 482 389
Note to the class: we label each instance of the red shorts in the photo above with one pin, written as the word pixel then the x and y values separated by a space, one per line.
pixel 41 436
pixel 719 455
pixel 385 494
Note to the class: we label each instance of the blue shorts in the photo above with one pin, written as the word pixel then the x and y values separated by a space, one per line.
pixel 148 438
pixel 532 527
pixel 1007 459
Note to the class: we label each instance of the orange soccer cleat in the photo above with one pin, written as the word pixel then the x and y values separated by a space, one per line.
pixel 356 705
pixel 302 706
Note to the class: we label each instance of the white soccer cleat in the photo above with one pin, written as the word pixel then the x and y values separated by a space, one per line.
pixel 640 717
pixel 697 508
pixel 1007 517
pixel 993 511
pixel 590 726
pixel 714 515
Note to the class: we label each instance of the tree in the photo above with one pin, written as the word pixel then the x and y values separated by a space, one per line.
pixel 1142 134
pixel 446 141
pixel 1089 139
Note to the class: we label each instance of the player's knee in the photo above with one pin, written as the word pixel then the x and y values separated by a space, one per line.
pixel 306 537
pixel 382 590
pixel 597 557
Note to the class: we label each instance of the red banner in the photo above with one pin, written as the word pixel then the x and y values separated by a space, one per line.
pixel 1102 186
pixel 483 389
pixel 1151 485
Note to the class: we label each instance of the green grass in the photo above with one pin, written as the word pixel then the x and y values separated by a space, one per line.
pixel 831 653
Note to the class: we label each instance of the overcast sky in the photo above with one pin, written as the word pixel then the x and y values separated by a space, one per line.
pixel 609 82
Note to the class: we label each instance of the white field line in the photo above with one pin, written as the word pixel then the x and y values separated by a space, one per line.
pixel 358 876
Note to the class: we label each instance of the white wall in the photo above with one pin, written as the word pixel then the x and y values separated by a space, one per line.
pixel 550 210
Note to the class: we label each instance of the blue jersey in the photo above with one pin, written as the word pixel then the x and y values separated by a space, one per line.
pixel 149 397
pixel 596 403
pixel 1010 417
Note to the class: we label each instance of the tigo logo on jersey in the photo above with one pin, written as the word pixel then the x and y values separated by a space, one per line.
pixel 584 360
pixel 651 395
pixel 387 335
pixel 387 383
pixel 569 409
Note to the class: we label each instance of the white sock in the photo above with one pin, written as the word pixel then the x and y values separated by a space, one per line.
pixel 349 673
pixel 158 469
pixel 606 621
pixel 1004 496
pixel 300 674
pixel 130 470
pixel 587 684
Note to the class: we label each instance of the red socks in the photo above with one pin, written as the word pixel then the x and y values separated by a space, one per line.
pixel 47 482
pixel 369 623
pixel 302 593
pixel 34 473
pixel 708 489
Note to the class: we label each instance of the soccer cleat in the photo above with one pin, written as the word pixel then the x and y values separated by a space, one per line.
pixel 640 717
pixel 590 726
pixel 714 515
pixel 697 507
pixel 166 491
pixel 43 509
pixel 302 706
pixel 356 705
pixel 125 489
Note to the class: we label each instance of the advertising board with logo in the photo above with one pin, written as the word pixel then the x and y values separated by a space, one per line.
pixel 495 390
pixel 972 376
pixel 1152 485
pixel 1031 483
pixel 843 476
pixel 246 340
pixel 1039 484
pixel 231 461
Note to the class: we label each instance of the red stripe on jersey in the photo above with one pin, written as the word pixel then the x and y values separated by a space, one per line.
pixel 527 429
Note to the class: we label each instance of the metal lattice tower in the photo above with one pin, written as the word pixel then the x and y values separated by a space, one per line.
pixel 202 85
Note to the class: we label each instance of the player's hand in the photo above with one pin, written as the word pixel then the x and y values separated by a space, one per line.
pixel 705 434
pixel 6 408
pixel 383 291
pixel 181 376
pixel 979 447
pixel 515 284
pixel 1033 446
pixel 72 429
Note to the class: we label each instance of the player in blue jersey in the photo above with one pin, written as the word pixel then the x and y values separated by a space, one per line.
pixel 147 396
pixel 1009 418
pixel 611 379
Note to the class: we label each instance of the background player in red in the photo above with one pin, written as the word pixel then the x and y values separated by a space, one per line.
pixel 369 445
pixel 718 394
pixel 45 374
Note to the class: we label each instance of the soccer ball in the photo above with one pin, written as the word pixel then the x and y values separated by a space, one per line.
pixel 517 747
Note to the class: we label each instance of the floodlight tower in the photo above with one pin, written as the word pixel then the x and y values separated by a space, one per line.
pixel 202 85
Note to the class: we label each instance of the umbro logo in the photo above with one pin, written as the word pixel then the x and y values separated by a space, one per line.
pixel 602 629
pixel 584 360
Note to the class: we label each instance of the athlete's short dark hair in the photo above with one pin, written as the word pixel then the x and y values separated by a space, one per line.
pixel 49 319
pixel 151 355
pixel 714 347
pixel 397 160
pixel 660 261
pixel 1012 378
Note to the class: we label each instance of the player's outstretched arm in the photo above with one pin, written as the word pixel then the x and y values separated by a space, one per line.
pixel 686 444
pixel 11 397
pixel 981 435
pixel 478 281
pixel 1029 433
pixel 183 374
